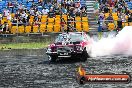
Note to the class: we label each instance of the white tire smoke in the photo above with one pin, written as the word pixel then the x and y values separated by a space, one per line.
pixel 120 44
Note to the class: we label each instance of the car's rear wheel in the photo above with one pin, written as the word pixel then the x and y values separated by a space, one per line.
pixel 84 55
pixel 52 58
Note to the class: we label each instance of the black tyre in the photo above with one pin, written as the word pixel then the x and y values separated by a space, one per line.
pixel 84 55
pixel 52 58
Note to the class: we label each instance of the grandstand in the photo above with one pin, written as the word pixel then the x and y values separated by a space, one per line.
pixel 40 16
pixel 45 22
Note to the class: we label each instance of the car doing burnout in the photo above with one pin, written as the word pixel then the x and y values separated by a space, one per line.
pixel 69 45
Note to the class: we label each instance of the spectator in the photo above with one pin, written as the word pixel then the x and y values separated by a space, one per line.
pixel 1 27
pixel 33 5
pixel 17 15
pixel 119 9
pixel 20 22
pixel 49 5
pixel 104 1
pixel 40 2
pixel 0 16
pixel 77 4
pixel 104 26
pixel 45 11
pixel 28 17
pixel 14 22
pixel 69 22
pixel 78 13
pixel 24 21
pixel 130 17
pixel 36 23
pixel 110 18
pixel 63 10
pixel 120 15
pixel 9 17
pixel 30 0
pixel 83 12
pixel 63 23
pixel 37 15
pixel 10 5
pixel 114 9
pixel 101 7
pixel 5 27
pixel 59 1
pixel 99 2
pixel 16 4
pixel 32 12
pixel 51 12
pixel 57 9
pixel 24 15
pixel 119 24
pixel 100 22
pixel 106 9
pixel 123 17
pixel 127 11
pixel 96 8
pixel 20 7
pixel 74 13
pixel 112 4
pixel 6 12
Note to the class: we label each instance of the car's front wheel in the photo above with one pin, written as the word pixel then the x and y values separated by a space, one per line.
pixel 52 58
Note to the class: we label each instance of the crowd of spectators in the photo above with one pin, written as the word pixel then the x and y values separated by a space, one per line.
pixel 104 7
pixel 19 13
pixel 42 7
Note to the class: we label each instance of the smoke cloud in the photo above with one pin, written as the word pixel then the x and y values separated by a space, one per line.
pixel 119 44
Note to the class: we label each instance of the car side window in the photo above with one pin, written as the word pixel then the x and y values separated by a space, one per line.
pixel 57 38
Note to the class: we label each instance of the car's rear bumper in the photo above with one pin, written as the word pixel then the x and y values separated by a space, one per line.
pixel 72 54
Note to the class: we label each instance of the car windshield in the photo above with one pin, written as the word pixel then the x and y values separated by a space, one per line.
pixel 76 37
pixel 70 37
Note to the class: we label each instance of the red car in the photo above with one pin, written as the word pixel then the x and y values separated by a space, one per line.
pixel 69 45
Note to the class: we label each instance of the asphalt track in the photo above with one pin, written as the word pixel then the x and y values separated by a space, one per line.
pixel 31 69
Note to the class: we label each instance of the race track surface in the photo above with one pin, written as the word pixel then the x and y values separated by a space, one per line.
pixel 31 69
